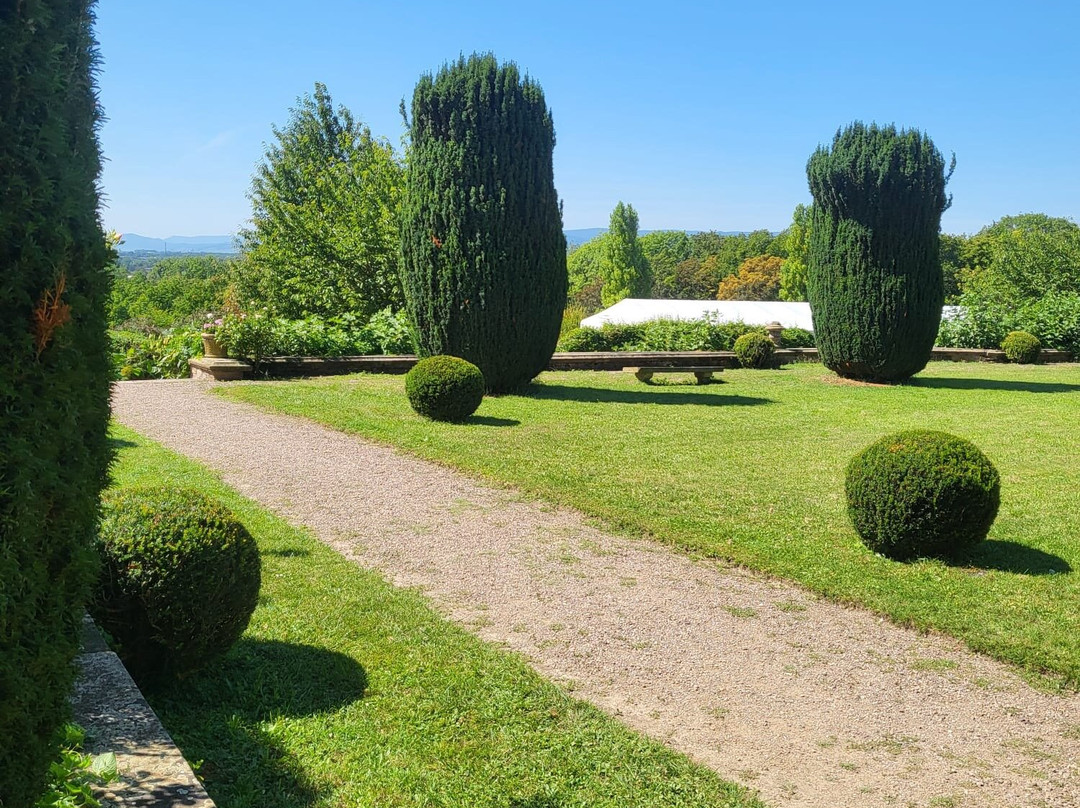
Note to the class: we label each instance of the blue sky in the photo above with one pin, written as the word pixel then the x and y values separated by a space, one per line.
pixel 700 115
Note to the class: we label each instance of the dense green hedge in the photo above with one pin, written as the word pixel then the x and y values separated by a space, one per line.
pixel 484 251
pixel 665 335
pixel 54 377
pixel 874 277
pixel 983 323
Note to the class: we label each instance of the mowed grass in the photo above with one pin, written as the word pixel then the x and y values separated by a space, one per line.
pixel 752 470
pixel 347 692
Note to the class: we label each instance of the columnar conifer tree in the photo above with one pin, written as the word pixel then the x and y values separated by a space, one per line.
pixel 623 266
pixel 54 377
pixel 874 276
pixel 485 255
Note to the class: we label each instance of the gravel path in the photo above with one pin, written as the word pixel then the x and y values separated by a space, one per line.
pixel 812 703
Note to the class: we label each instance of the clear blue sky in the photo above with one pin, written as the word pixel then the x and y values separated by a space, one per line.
pixel 701 115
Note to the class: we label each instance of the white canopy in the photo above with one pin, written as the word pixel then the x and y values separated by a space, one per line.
pixel 753 312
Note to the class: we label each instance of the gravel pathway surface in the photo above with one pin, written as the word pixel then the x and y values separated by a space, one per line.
pixel 811 703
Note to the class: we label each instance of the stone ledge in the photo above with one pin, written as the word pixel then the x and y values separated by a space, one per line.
pixel 108 705
pixel 290 367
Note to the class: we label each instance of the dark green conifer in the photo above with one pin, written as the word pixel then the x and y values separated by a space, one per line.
pixel 54 375
pixel 485 256
pixel 874 276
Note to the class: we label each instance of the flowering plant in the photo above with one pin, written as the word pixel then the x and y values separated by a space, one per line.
pixel 212 323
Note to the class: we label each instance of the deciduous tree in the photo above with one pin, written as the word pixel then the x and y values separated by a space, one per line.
pixel 325 236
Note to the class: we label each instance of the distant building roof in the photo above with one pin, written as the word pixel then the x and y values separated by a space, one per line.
pixel 752 312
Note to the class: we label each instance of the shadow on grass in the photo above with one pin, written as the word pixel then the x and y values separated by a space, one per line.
pixel 992 384
pixel 116 444
pixel 288 552
pixel 535 801
pixel 487 420
pixel 599 395
pixel 215 716
pixel 1010 556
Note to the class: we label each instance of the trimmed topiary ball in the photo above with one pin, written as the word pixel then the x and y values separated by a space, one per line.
pixel 445 388
pixel 584 339
pixel 921 493
pixel 1021 347
pixel 180 578
pixel 753 349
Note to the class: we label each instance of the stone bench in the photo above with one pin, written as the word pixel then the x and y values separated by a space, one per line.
pixel 702 373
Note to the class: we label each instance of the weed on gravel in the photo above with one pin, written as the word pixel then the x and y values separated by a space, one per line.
pixel 345 691
pixel 752 469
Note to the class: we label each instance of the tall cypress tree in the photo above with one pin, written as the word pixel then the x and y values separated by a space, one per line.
pixel 54 376
pixel 485 256
pixel 874 274
pixel 624 268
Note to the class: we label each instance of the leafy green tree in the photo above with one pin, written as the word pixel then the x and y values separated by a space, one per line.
pixel 664 250
pixel 1024 257
pixel 623 266
pixel 875 285
pixel 485 255
pixel 324 236
pixel 583 266
pixel 796 245
pixel 54 379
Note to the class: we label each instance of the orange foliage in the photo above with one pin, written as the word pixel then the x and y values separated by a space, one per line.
pixel 757 278
pixel 50 314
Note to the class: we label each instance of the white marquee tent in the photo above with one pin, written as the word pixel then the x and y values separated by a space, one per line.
pixel 753 312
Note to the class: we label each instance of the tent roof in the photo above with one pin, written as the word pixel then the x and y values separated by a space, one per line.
pixel 753 312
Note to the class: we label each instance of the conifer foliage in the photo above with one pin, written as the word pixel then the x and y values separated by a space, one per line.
pixel 485 256
pixel 54 377
pixel 874 277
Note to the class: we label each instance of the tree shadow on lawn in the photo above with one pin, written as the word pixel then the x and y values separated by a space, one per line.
pixel 487 420
pixel 599 395
pixel 992 384
pixel 216 715
pixel 1011 556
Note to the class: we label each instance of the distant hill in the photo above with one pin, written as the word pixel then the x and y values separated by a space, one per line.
pixel 133 242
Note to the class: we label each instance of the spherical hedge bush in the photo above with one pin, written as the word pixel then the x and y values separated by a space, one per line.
pixel 753 350
pixel 445 388
pixel 921 493
pixel 584 339
pixel 180 578
pixel 1021 347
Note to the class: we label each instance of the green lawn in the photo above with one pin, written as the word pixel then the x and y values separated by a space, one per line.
pixel 752 470
pixel 347 692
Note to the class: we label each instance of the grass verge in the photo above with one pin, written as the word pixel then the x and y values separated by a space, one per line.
pixel 752 470
pixel 347 692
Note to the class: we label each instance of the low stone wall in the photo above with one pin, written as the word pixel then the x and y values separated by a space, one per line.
pixel 108 705
pixel 291 367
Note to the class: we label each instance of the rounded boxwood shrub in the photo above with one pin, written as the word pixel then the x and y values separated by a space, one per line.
pixel 445 388
pixel 921 493
pixel 753 349
pixel 180 578
pixel 584 339
pixel 1021 347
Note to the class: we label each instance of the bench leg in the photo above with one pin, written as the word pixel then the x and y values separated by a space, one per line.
pixel 643 375
pixel 703 376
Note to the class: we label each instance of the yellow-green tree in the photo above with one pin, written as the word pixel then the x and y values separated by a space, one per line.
pixel 757 278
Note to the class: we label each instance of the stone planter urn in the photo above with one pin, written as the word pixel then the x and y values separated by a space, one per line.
pixel 211 347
